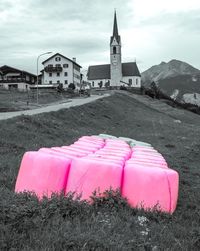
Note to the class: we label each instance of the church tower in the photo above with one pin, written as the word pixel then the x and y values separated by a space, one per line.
pixel 115 56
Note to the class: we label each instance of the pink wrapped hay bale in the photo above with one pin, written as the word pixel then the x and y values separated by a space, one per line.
pixel 42 174
pixel 149 187
pixel 56 153
pixel 68 152
pixel 87 175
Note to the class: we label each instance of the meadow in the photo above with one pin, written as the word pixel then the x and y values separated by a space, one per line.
pixel 63 223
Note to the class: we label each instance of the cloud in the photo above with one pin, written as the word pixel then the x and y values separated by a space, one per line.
pixel 151 31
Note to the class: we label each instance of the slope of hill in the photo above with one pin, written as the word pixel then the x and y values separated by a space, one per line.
pixel 178 86
pixel 167 70
pixel 109 224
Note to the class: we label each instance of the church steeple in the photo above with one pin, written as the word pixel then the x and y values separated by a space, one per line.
pixel 115 30
pixel 115 56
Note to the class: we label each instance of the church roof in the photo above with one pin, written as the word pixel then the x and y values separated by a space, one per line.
pixel 115 28
pixel 103 71
pixel 99 72
pixel 130 69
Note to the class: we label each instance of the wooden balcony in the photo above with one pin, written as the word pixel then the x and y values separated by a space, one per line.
pixel 53 69
pixel 14 80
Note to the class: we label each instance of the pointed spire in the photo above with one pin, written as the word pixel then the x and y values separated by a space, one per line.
pixel 115 28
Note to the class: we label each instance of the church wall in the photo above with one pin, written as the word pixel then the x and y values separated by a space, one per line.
pixel 95 83
pixel 115 63
pixel 136 81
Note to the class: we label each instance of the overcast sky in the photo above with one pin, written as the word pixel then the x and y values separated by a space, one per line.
pixel 151 31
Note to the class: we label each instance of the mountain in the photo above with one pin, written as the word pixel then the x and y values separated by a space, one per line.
pixel 167 70
pixel 176 79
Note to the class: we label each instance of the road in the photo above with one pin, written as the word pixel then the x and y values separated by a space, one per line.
pixel 53 107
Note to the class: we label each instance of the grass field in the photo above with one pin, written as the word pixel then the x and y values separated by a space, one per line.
pixel 109 224
pixel 13 100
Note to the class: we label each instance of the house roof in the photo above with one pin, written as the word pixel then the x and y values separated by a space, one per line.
pixel 58 54
pixel 103 71
pixel 8 69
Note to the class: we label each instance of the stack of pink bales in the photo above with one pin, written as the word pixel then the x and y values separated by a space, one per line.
pixel 100 163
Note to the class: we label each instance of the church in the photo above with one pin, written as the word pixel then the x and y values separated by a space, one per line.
pixel 116 73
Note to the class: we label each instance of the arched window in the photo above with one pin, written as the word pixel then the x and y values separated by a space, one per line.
pixel 114 50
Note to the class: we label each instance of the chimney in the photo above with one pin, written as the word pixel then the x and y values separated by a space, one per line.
pixel 74 59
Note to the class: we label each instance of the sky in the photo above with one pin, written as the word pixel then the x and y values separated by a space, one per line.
pixel 151 31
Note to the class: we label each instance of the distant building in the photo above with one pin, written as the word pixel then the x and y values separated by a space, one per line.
pixel 60 70
pixel 116 73
pixel 12 78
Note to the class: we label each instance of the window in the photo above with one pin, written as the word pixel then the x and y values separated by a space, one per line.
pixel 58 82
pixel 136 81
pixel 114 50
pixel 66 82
pixel 58 74
pixel 66 74
pixel 130 81
pixel 93 83
pixel 50 74
pixel 50 82
pixel 65 65
pixel 57 58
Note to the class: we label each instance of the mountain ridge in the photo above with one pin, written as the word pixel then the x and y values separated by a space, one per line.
pixel 175 79
pixel 165 70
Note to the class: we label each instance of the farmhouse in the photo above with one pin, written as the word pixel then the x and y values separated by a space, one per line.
pixel 12 78
pixel 60 70
pixel 116 73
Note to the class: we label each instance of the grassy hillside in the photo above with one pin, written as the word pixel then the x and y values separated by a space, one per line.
pixel 110 224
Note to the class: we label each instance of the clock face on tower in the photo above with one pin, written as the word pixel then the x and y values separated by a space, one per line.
pixel 114 61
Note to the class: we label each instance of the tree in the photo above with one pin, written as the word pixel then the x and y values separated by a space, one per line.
pixel 72 86
pixel 154 88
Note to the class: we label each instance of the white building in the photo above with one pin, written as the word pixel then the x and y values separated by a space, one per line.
pixel 12 78
pixel 59 69
pixel 116 73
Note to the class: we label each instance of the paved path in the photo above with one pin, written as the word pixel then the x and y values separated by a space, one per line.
pixel 54 107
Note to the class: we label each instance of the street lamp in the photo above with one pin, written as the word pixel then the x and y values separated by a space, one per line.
pixel 49 52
